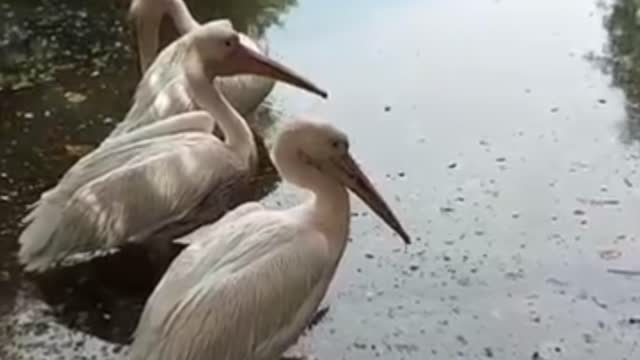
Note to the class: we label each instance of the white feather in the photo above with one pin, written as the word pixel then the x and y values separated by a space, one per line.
pixel 162 90
pixel 268 273
pixel 94 206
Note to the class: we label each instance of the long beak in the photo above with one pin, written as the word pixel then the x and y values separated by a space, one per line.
pixel 249 61
pixel 349 173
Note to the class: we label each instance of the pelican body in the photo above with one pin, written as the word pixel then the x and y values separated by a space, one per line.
pixel 246 286
pixel 163 179
pixel 162 91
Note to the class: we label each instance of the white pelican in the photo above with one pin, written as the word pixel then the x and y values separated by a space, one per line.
pixel 161 92
pixel 160 180
pixel 246 286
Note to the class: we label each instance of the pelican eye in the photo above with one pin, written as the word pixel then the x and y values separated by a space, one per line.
pixel 307 159
pixel 340 144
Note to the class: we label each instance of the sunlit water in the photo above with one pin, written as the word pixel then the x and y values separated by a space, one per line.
pixel 494 132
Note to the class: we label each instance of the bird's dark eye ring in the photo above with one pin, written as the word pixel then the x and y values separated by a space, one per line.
pixel 335 143
pixel 228 43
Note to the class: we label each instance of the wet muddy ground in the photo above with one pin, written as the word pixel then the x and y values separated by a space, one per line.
pixel 505 133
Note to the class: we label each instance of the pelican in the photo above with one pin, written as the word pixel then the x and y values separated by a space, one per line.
pixel 161 180
pixel 246 286
pixel 161 92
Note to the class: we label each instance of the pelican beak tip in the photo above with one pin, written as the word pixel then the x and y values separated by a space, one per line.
pixel 405 237
pixel 320 92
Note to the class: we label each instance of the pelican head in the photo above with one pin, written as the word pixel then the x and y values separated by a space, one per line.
pixel 308 152
pixel 221 50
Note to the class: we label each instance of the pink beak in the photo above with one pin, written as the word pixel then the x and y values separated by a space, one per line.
pixel 246 60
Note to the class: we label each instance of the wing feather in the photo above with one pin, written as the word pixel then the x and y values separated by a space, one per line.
pixel 193 121
pixel 157 186
pixel 163 80
pixel 147 193
pixel 46 214
pixel 240 295
pixel 162 92
pixel 100 162
pixel 202 233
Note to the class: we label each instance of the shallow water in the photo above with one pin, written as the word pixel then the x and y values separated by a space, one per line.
pixel 504 133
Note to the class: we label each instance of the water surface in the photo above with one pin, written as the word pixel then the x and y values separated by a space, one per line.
pixel 504 133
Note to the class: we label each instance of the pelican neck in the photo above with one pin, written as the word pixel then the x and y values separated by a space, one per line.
pixel 205 93
pixel 328 207
pixel 182 18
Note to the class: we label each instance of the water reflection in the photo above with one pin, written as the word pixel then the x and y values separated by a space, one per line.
pixel 42 38
pixel 39 38
pixel 67 73
pixel 621 59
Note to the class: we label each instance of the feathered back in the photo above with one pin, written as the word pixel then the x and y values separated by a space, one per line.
pixel 245 288
pixel 161 92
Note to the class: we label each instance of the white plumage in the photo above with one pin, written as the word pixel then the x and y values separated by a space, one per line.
pixel 130 193
pixel 247 286
pixel 162 92
pixel 163 179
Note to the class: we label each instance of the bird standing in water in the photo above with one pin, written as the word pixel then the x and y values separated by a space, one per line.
pixel 247 286
pixel 161 180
